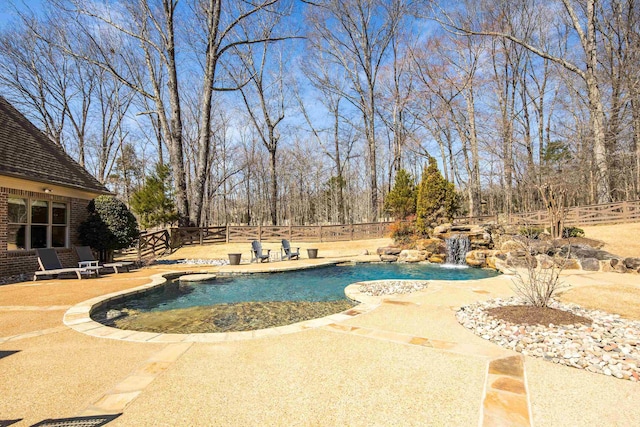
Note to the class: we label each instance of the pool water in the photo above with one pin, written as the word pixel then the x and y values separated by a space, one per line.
pixel 317 284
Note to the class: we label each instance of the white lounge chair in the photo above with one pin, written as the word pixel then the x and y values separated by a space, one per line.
pixel 86 259
pixel 50 265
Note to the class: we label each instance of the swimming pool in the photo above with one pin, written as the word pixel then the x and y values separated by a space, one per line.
pixel 317 284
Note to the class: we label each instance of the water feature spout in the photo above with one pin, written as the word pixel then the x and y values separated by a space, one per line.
pixel 457 248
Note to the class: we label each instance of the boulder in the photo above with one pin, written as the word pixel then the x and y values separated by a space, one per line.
pixel 606 266
pixel 436 258
pixel 511 245
pixel 584 251
pixel 388 258
pixel 568 264
pixel 389 250
pixel 480 257
pixel 441 230
pixel 620 268
pixel 498 264
pixel 632 263
pixel 476 258
pixel 436 246
pixel 590 264
pixel 545 261
pixel 516 260
pixel 409 255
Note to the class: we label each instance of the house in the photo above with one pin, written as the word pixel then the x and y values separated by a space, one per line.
pixel 44 195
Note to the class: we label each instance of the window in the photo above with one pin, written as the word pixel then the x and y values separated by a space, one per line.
pixel 36 224
pixel 17 218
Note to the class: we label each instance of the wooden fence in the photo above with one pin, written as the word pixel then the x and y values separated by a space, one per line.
pixel 160 242
pixel 606 213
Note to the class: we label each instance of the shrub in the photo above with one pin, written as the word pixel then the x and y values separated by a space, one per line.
pixel 572 232
pixel 402 232
pixel 401 200
pixel 437 198
pixel 110 226
pixel 538 284
pixel 153 202
pixel 531 232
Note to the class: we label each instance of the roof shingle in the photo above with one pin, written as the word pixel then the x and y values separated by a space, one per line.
pixel 26 152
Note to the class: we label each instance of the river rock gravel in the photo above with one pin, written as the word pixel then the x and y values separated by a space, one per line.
pixel 390 287
pixel 609 346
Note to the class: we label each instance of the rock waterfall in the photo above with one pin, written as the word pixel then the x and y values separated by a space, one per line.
pixel 457 248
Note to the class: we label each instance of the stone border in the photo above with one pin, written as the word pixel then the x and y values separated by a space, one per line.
pixel 78 317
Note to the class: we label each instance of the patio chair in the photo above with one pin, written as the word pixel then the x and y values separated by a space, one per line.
pixel 86 259
pixel 256 252
pixel 287 253
pixel 50 265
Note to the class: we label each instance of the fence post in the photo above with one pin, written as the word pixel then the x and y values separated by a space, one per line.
pixel 201 229
pixel 167 242
pixel 320 233
pixel 227 233
pixel 625 211
pixel 290 232
pixel 260 233
pixel 350 231
pixel 140 247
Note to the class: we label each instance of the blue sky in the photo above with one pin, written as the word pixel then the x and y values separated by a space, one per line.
pixel 8 9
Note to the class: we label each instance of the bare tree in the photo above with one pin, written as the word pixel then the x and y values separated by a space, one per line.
pixel 583 22
pixel 355 36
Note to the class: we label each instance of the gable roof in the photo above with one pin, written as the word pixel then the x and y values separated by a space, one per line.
pixel 27 153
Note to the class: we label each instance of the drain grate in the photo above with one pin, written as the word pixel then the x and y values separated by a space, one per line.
pixel 93 421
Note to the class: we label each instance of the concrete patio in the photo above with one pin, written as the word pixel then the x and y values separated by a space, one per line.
pixel 405 362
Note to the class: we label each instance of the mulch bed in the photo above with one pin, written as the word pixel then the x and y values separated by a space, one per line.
pixel 530 315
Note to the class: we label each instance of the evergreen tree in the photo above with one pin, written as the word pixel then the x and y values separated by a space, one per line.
pixel 401 200
pixel 153 202
pixel 109 226
pixel 437 198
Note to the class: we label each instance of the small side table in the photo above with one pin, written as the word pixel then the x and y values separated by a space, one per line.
pixel 312 253
pixel 275 256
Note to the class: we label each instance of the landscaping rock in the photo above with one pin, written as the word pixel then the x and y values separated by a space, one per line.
pixel 609 346
pixel 518 260
pixel 389 250
pixel 620 268
pixel 388 258
pixel 590 264
pixel 476 258
pixel 438 259
pixel 479 257
pixel 568 264
pixel 436 246
pixel 632 263
pixel 409 255
pixel 511 245
pixel 545 261
pixel 441 230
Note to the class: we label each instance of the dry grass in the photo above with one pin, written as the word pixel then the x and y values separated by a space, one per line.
pixel 325 249
pixel 622 299
pixel 620 239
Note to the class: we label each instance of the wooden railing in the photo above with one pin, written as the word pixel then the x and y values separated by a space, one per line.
pixel 606 213
pixel 153 244
pixel 159 242
pixel 482 219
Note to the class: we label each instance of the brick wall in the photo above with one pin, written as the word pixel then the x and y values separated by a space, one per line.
pixel 13 263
